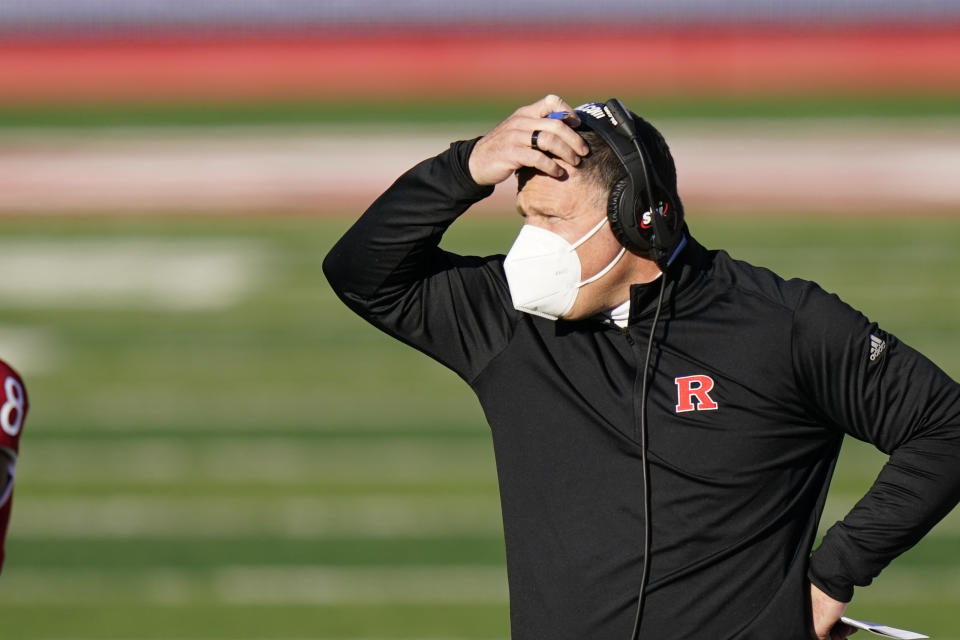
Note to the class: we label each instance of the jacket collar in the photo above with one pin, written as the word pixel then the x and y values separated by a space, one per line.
pixel 685 270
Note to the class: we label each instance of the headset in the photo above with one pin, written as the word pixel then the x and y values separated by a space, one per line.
pixel 646 225
pixel 645 215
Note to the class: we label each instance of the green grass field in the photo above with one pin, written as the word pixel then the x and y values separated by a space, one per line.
pixel 219 449
pixel 414 110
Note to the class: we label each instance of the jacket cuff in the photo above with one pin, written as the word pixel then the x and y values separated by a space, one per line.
pixel 460 163
pixel 827 572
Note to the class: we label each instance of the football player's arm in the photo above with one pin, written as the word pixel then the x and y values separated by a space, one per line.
pixel 872 386
pixel 8 460
pixel 13 412
pixel 14 406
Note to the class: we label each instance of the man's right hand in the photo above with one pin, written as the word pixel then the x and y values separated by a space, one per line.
pixel 507 148
pixel 826 616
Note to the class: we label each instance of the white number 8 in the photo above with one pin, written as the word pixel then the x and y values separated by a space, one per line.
pixel 11 413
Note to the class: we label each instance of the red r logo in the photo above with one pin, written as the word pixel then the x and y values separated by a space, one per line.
pixel 690 388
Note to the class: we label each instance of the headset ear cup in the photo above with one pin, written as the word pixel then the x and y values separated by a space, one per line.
pixel 614 212
pixel 622 215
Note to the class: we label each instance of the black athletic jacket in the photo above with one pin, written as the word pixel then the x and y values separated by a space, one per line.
pixel 754 381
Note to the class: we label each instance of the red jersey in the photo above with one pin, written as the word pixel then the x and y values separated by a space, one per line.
pixel 13 411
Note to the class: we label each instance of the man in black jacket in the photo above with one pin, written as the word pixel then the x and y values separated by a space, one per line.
pixel 731 423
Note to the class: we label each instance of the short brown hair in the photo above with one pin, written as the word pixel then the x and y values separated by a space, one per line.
pixel 604 167
pixel 601 165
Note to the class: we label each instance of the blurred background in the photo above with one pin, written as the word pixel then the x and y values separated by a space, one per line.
pixel 217 449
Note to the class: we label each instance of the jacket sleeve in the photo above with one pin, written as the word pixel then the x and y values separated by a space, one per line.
pixel 389 269
pixel 864 381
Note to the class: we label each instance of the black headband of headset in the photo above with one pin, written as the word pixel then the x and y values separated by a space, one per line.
pixel 618 128
pixel 595 116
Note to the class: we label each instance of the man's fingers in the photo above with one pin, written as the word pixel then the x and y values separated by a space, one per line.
pixel 547 105
pixel 544 107
pixel 510 145
pixel 567 135
pixel 543 163
pixel 550 142
pixel 551 103
pixel 555 137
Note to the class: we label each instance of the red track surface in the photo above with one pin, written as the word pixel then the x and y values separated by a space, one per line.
pixel 484 63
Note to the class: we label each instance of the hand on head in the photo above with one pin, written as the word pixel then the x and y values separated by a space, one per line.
pixel 509 146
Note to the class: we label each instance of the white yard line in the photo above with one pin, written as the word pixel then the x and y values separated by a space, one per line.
pixel 322 585
pixel 247 585
pixel 292 518
pixel 368 585
pixel 798 165
pixel 860 165
pixel 174 275
pixel 189 170
pixel 30 350
pixel 261 460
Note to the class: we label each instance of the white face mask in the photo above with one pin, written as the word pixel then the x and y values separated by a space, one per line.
pixel 543 271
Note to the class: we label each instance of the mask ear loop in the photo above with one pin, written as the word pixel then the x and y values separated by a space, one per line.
pixel 604 271
pixel 607 268
pixel 589 234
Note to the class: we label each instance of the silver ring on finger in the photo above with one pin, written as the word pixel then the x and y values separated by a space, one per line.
pixel 533 139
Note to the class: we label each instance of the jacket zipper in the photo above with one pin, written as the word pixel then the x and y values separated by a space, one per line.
pixel 637 382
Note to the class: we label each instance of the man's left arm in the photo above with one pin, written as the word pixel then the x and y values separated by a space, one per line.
pixel 879 390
